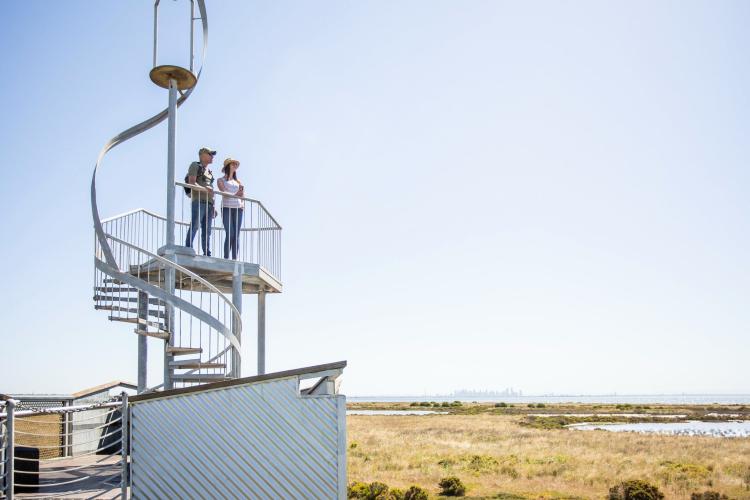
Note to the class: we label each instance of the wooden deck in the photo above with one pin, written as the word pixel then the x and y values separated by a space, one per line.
pixel 103 481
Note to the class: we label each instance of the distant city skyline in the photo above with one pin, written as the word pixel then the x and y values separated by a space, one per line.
pixel 488 393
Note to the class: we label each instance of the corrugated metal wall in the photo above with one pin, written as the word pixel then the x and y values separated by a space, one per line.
pixel 260 440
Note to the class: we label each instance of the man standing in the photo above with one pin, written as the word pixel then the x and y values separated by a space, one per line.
pixel 202 201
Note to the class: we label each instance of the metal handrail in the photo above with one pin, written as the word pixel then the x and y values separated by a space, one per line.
pixel 73 469
pixel 63 483
pixel 176 301
pixel 72 433
pixel 228 195
pixel 184 223
pixel 59 459
pixel 99 438
pixel 62 409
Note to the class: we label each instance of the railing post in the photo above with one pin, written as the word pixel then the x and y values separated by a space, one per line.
pixel 125 438
pixel 67 430
pixel 10 407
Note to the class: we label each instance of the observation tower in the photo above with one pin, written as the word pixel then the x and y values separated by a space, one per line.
pixel 204 431
pixel 145 276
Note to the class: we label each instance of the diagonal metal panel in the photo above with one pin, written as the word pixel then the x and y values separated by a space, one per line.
pixel 258 440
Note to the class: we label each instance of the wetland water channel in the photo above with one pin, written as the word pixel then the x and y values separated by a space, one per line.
pixel 733 428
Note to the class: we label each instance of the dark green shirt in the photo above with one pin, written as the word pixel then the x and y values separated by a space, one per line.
pixel 205 180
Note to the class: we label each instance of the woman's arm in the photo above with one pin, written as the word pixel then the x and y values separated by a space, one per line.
pixel 220 183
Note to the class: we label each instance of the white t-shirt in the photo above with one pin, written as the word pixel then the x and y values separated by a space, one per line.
pixel 231 186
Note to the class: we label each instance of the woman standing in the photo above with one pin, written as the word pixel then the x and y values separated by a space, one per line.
pixel 231 208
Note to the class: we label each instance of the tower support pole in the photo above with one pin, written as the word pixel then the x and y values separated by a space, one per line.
pixel 261 332
pixel 142 343
pixel 237 301
pixel 169 274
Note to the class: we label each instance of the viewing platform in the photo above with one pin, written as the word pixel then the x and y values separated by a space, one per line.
pixel 219 272
pixel 258 246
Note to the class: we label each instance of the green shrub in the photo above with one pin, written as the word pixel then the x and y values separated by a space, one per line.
pixel 445 404
pixel 378 490
pixel 353 445
pixel 482 463
pixel 415 493
pixel 395 494
pixel 708 495
pixel 635 490
pixel 501 405
pixel 373 491
pixel 358 489
pixel 424 403
pixel 509 471
pixel 541 405
pixel 531 405
pixel 452 487
pixel 414 404
pixel 457 403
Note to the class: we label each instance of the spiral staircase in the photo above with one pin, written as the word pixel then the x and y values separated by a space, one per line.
pixel 167 292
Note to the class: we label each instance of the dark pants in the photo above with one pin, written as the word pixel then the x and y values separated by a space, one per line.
pixel 201 213
pixel 232 219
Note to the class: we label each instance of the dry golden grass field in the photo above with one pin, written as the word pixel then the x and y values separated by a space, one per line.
pixel 498 458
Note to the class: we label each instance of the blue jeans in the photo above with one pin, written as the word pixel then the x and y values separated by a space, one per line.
pixel 232 219
pixel 201 213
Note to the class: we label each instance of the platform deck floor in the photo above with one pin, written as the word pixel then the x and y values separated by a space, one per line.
pixel 103 481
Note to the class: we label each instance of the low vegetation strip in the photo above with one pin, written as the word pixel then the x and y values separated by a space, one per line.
pixel 498 455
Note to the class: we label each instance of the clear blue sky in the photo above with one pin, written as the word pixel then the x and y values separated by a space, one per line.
pixel 480 194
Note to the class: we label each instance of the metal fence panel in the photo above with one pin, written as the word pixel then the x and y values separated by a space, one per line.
pixel 261 440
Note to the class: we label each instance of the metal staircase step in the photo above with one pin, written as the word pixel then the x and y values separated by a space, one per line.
pixel 109 289
pixel 114 280
pixel 181 361
pixel 180 351
pixel 199 377
pixel 139 321
pixel 158 335
pixel 113 298
pixel 133 310
pixel 157 314
pixel 194 364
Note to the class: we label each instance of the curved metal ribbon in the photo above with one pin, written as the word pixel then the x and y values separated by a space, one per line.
pixel 109 265
pixel 134 131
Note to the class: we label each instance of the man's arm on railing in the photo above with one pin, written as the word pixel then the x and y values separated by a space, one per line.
pixel 193 173
pixel 193 178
